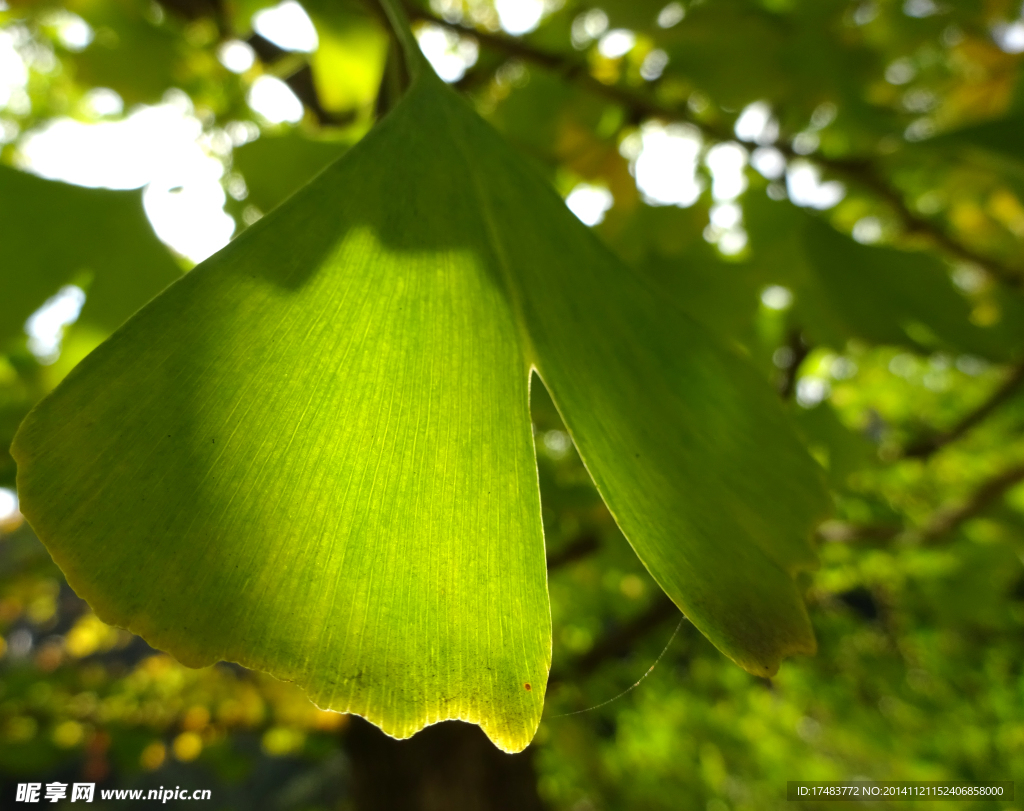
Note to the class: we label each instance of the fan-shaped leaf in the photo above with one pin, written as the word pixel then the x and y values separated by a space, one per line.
pixel 313 454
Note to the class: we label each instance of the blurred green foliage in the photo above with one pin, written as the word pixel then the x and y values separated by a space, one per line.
pixel 899 359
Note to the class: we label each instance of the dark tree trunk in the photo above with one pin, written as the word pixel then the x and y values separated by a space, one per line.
pixel 450 766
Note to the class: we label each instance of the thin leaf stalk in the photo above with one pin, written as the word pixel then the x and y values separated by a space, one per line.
pixel 399 22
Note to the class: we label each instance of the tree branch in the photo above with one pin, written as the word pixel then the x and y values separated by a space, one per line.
pixel 622 638
pixel 640 105
pixel 945 520
pixel 942 522
pixel 862 173
pixel 925 447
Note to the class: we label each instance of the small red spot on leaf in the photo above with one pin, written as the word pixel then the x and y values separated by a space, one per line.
pixel 527 687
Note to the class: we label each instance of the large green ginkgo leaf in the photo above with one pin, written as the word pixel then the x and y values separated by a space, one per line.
pixel 313 454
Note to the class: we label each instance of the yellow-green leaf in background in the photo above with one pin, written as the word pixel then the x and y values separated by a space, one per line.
pixel 313 454
pixel 348 65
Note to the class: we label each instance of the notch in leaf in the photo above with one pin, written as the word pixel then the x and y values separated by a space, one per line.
pixel 313 454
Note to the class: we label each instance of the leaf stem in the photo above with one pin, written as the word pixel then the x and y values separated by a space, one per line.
pixel 399 22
